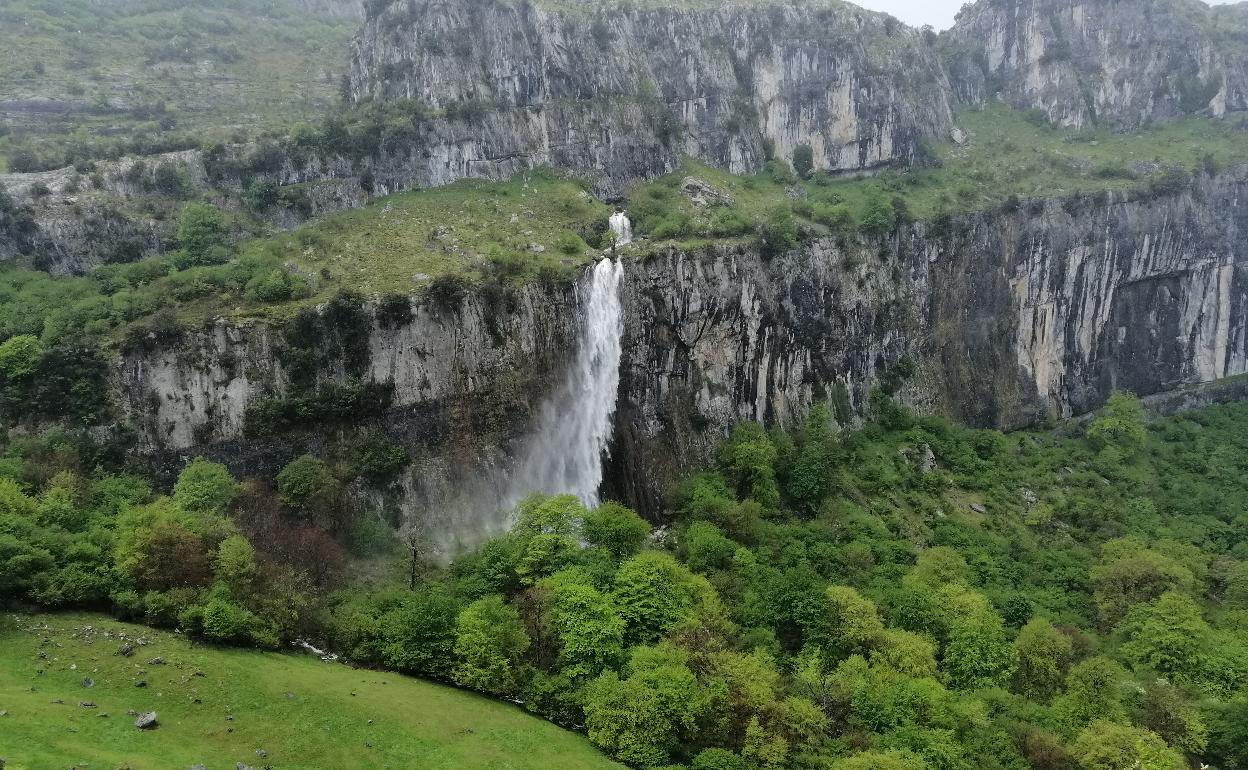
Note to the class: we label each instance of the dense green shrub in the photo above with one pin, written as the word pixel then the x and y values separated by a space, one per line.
pixel 778 234
pixel 347 402
pixel 377 458
pixel 261 195
pixel 447 292
pixel 201 236
pixel 803 160
pixel 172 180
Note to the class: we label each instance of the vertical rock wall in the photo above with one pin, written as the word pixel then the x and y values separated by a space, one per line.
pixel 1123 64
pixel 1008 315
pixel 620 93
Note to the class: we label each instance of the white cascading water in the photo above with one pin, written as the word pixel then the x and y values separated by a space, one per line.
pixel 622 227
pixel 566 452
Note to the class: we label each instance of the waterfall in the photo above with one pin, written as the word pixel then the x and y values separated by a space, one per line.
pixel 622 228
pixel 565 453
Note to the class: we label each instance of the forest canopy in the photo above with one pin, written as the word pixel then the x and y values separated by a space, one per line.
pixel 909 594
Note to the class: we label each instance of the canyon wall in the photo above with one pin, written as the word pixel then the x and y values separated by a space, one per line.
pixel 470 89
pixel 1082 63
pixel 1008 315
pixel 621 93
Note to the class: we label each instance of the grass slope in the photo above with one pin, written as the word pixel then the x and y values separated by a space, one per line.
pixel 303 713
pixel 397 244
pixel 165 70
pixel 1004 154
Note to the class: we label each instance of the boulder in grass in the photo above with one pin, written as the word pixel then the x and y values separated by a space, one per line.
pixel 146 721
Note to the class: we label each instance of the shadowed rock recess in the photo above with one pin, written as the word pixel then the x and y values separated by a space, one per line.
pixel 1035 309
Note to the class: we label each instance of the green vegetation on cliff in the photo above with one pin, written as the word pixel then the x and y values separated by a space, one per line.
pixel 908 594
pixel 1005 157
pixel 500 232
pixel 97 79
pixel 471 228
pixel 540 223
pixel 219 706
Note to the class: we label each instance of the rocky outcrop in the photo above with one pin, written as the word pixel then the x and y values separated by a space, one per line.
pixel 1008 316
pixel 464 383
pixel 1011 316
pixel 621 93
pixel 449 89
pixel 115 211
pixel 1122 64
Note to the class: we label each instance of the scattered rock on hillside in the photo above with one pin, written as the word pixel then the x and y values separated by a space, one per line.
pixel 146 721
pixel 126 650
pixel 702 194
pixel 978 508
pixel 87 704
pixel 88 682
pixel 156 661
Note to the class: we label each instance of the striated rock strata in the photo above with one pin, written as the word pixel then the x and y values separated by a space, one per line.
pixel 620 93
pixel 1123 64
pixel 1009 316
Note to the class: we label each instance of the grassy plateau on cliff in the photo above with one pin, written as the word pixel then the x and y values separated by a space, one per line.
pixel 101 78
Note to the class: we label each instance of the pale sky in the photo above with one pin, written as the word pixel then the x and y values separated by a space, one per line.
pixel 916 13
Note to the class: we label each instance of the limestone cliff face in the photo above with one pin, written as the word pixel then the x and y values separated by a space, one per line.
pixel 1009 315
pixel 114 215
pixel 620 93
pixel 465 383
pixel 1122 64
